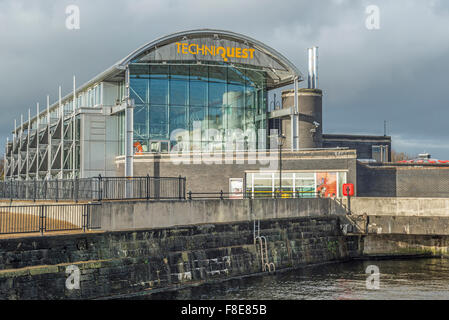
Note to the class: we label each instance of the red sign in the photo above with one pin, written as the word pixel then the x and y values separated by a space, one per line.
pixel 348 189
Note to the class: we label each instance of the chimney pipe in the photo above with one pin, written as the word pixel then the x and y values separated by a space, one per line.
pixel 310 78
pixel 315 67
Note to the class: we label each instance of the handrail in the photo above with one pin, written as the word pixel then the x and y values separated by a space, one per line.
pixel 248 195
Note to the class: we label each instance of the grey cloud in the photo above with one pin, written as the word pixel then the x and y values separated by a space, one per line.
pixel 398 73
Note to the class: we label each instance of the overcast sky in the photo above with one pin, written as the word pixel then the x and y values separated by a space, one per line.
pixel 397 73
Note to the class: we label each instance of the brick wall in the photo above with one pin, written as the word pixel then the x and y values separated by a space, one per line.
pixel 426 181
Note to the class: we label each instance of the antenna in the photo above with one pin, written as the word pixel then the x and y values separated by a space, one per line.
pixel 385 128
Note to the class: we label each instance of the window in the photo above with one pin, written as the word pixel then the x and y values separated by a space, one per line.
pixel 171 98
pixel 158 122
pixel 296 184
pixel 98 95
pixel 380 153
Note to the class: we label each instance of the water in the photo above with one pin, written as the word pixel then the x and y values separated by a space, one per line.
pixel 399 279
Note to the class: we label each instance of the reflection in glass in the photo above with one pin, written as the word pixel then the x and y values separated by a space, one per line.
pixel 179 91
pixel 217 94
pixel 158 91
pixel 171 98
pixel 141 122
pixel 158 122
pixel 198 93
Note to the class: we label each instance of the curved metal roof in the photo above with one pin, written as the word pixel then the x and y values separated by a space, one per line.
pixel 184 35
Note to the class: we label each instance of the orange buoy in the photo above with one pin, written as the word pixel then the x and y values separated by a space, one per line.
pixel 138 148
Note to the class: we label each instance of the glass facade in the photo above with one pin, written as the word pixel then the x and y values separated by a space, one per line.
pixel 296 184
pixel 195 103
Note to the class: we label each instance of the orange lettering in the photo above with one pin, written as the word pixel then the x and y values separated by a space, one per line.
pixel 210 51
pixel 184 48
pixel 198 49
pixel 223 55
pixel 178 44
pixel 251 51
pixel 191 50
pixel 238 52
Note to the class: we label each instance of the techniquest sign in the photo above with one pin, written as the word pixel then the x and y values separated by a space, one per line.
pixel 224 52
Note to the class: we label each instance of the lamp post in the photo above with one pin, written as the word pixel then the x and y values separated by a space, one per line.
pixel 281 140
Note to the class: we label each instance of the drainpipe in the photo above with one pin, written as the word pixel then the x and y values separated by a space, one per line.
pixel 129 135
pixel 129 130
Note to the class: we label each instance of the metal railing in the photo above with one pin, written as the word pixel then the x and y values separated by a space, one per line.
pixel 116 188
pixel 46 218
pixel 249 195
pixel 95 188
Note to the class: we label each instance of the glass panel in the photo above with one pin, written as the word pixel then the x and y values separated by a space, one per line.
pixel 250 119
pixel 263 182
pixel 255 78
pixel 341 182
pixel 180 72
pixel 158 122
pixel 197 114
pixel 219 97
pixel 305 184
pixel 217 94
pixel 154 146
pixel 158 71
pixel 251 95
pixel 215 118
pixel 234 118
pixel 158 91
pixel 178 118
pixel 141 122
pixel 179 91
pixel 267 175
pixel 198 93
pixel 97 95
pixel 287 184
pixel 263 185
pixel 236 76
pixel 217 74
pixel 138 79
pixel 198 72
pixel 164 146
pixel 236 96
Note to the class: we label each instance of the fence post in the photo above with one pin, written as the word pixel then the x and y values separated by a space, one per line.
pixel 35 186
pixel 99 188
pixel 190 195
pixel 148 186
pixel 221 194
pixel 180 187
pixel 184 188
pixel 76 189
pixel 41 219
pixel 85 217
pixel 10 189
pixel 45 188
pixel 57 190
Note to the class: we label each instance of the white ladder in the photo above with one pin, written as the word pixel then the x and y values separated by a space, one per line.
pixel 256 230
pixel 263 247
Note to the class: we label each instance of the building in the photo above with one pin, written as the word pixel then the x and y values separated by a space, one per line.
pixel 195 104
